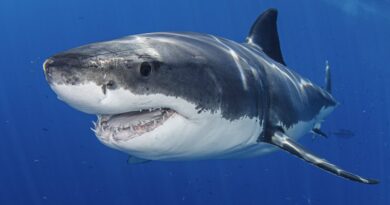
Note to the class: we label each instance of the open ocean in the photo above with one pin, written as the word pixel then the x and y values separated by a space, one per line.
pixel 49 155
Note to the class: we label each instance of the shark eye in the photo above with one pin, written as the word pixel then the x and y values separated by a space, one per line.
pixel 145 69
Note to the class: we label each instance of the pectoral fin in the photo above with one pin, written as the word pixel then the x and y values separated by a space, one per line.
pixel 136 160
pixel 281 140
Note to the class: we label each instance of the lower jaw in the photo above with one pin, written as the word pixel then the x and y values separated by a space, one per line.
pixel 120 136
pixel 110 134
pixel 106 132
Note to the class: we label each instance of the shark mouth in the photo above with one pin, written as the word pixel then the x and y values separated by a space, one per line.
pixel 126 126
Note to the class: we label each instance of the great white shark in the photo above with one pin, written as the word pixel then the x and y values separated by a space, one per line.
pixel 191 96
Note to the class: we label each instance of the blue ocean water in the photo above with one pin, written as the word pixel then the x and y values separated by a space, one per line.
pixel 48 155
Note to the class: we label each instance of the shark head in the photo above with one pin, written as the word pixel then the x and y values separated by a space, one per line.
pixel 155 95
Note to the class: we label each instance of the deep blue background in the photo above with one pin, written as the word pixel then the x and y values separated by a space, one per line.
pixel 48 155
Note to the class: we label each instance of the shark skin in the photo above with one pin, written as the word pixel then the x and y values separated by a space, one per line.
pixel 174 96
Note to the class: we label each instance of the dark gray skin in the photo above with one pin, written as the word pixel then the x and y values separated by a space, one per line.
pixel 197 68
pixel 216 74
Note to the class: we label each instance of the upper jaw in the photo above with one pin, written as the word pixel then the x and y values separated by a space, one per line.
pixel 89 98
pixel 140 114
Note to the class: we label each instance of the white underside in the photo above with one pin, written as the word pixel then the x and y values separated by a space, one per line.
pixel 184 136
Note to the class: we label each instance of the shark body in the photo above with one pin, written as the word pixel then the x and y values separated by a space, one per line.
pixel 191 96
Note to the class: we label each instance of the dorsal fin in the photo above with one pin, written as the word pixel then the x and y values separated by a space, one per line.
pixel 328 79
pixel 264 33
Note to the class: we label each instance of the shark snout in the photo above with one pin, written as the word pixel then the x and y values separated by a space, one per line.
pixel 47 68
pixel 65 75
pixel 56 69
pixel 86 88
pixel 64 68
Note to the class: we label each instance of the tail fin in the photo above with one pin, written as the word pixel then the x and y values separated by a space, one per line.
pixel 328 80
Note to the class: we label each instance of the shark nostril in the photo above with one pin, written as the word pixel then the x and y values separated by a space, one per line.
pixel 110 85
pixel 104 89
